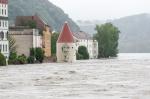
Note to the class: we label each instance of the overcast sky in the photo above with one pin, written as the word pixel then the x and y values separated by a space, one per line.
pixel 102 9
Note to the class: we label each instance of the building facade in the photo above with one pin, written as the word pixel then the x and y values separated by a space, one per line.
pixel 84 39
pixel 66 48
pixel 43 28
pixel 4 44
pixel 25 38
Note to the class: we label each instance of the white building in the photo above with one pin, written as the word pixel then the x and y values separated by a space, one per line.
pixel 66 47
pixel 84 39
pixel 4 44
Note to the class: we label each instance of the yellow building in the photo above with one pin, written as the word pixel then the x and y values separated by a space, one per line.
pixel 47 41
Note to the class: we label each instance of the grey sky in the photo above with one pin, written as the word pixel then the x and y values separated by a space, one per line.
pixel 102 9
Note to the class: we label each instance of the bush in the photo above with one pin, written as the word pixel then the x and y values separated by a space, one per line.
pixel 79 57
pixel 22 59
pixel 13 58
pixel 82 53
pixel 31 59
pixel 32 52
pixel 39 54
pixel 2 60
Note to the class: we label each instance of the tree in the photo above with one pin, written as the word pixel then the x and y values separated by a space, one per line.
pixel 82 53
pixel 2 60
pixel 39 54
pixel 53 42
pixel 107 36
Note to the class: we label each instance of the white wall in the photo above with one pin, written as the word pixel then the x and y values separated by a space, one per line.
pixel 71 52
pixel 4 10
pixel 4 44
pixel 37 39
pixel 89 44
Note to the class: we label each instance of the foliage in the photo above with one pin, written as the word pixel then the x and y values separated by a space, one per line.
pixel 32 51
pixel 46 10
pixel 31 59
pixel 82 53
pixel 15 59
pixel 12 58
pixel 12 45
pixel 79 57
pixel 2 60
pixel 22 59
pixel 53 42
pixel 32 24
pixel 39 54
pixel 107 36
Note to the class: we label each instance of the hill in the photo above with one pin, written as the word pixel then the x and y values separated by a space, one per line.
pixel 51 14
pixel 135 32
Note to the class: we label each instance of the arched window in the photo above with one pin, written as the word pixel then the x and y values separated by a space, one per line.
pixel 7 35
pixel 1 35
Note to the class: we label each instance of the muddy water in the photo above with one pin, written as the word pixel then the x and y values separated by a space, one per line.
pixel 125 77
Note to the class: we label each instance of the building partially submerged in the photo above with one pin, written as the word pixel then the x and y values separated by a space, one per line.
pixel 36 29
pixel 4 44
pixel 25 39
pixel 84 39
pixel 66 47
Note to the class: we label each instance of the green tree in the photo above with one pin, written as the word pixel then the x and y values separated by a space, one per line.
pixel 53 43
pixel 13 58
pixel 107 36
pixel 2 60
pixel 82 53
pixel 31 24
pixel 39 54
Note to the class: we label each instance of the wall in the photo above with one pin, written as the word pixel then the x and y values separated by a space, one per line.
pixel 47 41
pixel 71 52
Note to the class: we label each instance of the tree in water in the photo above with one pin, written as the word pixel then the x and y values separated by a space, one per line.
pixel 53 42
pixel 82 53
pixel 107 36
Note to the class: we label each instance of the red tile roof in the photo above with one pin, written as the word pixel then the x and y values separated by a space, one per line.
pixel 66 35
pixel 4 1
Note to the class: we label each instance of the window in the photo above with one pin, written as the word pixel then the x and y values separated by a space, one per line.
pixel 5 23
pixel 5 11
pixel 2 12
pixel 7 35
pixel 6 48
pixel 3 48
pixel 1 35
pixel 0 47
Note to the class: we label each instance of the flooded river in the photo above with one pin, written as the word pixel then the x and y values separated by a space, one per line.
pixel 125 77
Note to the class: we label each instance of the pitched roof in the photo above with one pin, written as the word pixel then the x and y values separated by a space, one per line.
pixel 66 35
pixel 4 1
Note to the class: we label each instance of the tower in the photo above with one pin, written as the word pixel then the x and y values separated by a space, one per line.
pixel 47 41
pixel 4 44
pixel 66 48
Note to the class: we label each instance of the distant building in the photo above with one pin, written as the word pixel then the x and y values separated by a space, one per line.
pixel 66 48
pixel 43 28
pixel 4 44
pixel 26 38
pixel 84 39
